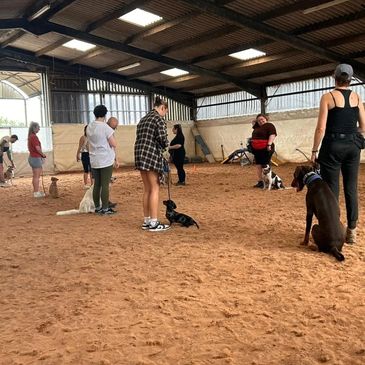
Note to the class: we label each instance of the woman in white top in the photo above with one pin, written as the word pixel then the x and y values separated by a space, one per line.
pixel 82 155
pixel 102 158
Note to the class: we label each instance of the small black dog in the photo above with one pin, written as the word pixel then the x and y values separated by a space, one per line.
pixel 175 217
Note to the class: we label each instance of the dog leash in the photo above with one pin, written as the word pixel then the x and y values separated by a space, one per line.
pixel 168 179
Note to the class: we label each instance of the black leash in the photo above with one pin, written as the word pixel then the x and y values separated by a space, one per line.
pixel 303 154
pixel 168 179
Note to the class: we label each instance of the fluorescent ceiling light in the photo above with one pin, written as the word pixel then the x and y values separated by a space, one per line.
pixel 140 17
pixel 79 45
pixel 248 54
pixel 174 72
pixel 127 67
pixel 39 12
pixel 323 6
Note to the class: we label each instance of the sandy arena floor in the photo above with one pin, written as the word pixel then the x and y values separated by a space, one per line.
pixel 92 290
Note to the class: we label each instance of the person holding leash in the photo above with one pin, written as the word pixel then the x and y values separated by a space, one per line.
pixel 151 141
pixel 5 147
pixel 341 118
pixel 262 144
pixel 36 158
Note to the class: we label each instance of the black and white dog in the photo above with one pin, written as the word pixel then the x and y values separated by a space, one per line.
pixel 270 179
pixel 175 217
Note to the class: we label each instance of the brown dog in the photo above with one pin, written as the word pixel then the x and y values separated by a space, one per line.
pixel 53 189
pixel 329 233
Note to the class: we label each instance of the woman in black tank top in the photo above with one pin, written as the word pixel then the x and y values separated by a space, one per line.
pixel 341 117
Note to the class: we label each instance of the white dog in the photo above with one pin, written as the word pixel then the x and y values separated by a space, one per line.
pixel 86 205
pixel 270 179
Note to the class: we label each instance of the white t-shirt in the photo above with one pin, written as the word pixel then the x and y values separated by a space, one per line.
pixel 100 152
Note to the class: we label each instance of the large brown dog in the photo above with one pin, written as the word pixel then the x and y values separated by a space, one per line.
pixel 329 233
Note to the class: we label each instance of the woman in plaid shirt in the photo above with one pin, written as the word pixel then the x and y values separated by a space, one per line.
pixel 151 141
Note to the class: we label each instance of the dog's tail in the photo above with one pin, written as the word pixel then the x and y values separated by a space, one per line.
pixel 197 224
pixel 68 212
pixel 335 252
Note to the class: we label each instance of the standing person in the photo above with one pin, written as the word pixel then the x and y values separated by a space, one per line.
pixel 151 141
pixel 102 158
pixel 83 155
pixel 341 117
pixel 5 147
pixel 36 158
pixel 177 152
pixel 262 144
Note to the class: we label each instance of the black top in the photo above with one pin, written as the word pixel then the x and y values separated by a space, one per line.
pixel 343 120
pixel 180 152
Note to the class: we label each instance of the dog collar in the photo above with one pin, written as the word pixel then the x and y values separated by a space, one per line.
pixel 310 177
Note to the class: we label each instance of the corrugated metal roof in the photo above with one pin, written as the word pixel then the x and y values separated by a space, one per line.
pixel 205 38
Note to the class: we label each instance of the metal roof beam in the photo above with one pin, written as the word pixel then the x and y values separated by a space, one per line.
pixel 44 27
pixel 52 46
pixel 124 9
pixel 58 65
pixel 269 31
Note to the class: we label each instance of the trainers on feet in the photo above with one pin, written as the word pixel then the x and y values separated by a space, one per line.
pixel 158 227
pixel 107 211
pixel 260 184
pixel 350 236
pixel 98 210
pixel 38 194
pixel 145 226
pixel 180 183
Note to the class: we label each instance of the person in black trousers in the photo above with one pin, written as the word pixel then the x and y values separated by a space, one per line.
pixel 341 118
pixel 177 152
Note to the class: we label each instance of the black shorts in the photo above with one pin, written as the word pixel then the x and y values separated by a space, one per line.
pixel 85 159
pixel 1 159
pixel 262 157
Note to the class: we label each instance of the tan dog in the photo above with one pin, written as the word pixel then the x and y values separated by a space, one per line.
pixel 9 175
pixel 53 189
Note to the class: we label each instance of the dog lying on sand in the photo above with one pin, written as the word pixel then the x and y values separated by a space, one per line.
pixel 174 217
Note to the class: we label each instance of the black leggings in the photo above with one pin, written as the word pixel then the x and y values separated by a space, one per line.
pixel 101 186
pixel 344 156
pixel 179 164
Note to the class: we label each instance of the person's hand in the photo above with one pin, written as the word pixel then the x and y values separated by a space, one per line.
pixel 12 165
pixel 78 158
pixel 269 146
pixel 116 164
pixel 314 156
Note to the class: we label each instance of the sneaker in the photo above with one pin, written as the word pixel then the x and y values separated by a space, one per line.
pixel 180 183
pixel 98 210
pixel 38 194
pixel 107 211
pixel 145 226
pixel 159 227
pixel 260 184
pixel 4 184
pixel 350 236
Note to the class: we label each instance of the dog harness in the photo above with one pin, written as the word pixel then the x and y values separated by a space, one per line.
pixel 310 177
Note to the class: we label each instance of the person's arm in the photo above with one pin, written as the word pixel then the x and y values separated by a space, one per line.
pixel 39 150
pixel 161 136
pixel 175 147
pixel 321 126
pixel 10 157
pixel 112 142
pixel 270 141
pixel 81 143
pixel 361 116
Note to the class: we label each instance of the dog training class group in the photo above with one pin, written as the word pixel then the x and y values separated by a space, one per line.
pixel 337 144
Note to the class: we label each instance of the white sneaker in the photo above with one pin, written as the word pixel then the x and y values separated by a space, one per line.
pixel 38 194
pixel 350 236
pixel 4 185
pixel 158 227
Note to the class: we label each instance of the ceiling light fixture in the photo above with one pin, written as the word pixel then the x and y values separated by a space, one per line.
pixel 127 67
pixel 248 54
pixel 39 12
pixel 140 17
pixel 174 72
pixel 323 6
pixel 79 45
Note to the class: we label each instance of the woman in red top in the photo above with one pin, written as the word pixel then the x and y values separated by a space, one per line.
pixel 36 157
pixel 263 136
